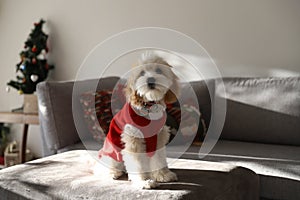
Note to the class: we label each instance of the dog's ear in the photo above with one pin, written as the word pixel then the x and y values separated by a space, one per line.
pixel 131 94
pixel 128 90
pixel 173 93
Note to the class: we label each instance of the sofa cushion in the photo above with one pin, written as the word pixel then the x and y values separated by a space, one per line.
pixel 97 111
pixel 265 110
pixel 67 176
pixel 277 165
pixel 202 90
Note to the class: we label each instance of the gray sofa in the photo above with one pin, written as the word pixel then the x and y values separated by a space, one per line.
pixel 65 173
pixel 261 130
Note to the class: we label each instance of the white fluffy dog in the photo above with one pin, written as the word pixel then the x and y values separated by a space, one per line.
pixel 138 134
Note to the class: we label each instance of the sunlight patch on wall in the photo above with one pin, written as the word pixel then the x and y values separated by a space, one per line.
pixel 202 68
pixel 283 73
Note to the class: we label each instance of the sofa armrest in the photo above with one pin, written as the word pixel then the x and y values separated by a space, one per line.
pixel 56 112
pixel 55 106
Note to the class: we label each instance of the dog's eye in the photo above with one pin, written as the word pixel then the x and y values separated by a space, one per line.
pixel 142 73
pixel 158 71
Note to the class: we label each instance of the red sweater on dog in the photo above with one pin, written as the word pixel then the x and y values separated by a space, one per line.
pixel 150 128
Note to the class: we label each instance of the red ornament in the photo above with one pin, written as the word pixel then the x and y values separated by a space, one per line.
pixel 34 49
pixel 33 61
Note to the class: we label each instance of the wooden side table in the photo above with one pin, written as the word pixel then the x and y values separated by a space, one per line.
pixel 20 118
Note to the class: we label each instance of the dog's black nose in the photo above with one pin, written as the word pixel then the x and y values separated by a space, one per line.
pixel 151 82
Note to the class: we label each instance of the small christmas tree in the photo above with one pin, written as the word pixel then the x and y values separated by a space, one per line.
pixel 33 65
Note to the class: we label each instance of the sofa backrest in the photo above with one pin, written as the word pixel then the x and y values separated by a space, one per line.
pixel 265 110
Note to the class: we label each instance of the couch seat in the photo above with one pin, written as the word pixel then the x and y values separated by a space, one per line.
pixel 67 176
pixel 277 165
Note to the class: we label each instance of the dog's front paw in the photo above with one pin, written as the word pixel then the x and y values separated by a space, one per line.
pixel 142 181
pixel 164 175
pixel 149 184
pixel 115 174
pixel 145 184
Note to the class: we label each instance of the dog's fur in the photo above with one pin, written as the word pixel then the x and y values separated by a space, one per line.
pixel 145 171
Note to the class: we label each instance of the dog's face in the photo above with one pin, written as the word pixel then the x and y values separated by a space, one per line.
pixel 152 80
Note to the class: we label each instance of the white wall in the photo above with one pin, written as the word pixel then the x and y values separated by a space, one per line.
pixel 245 38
